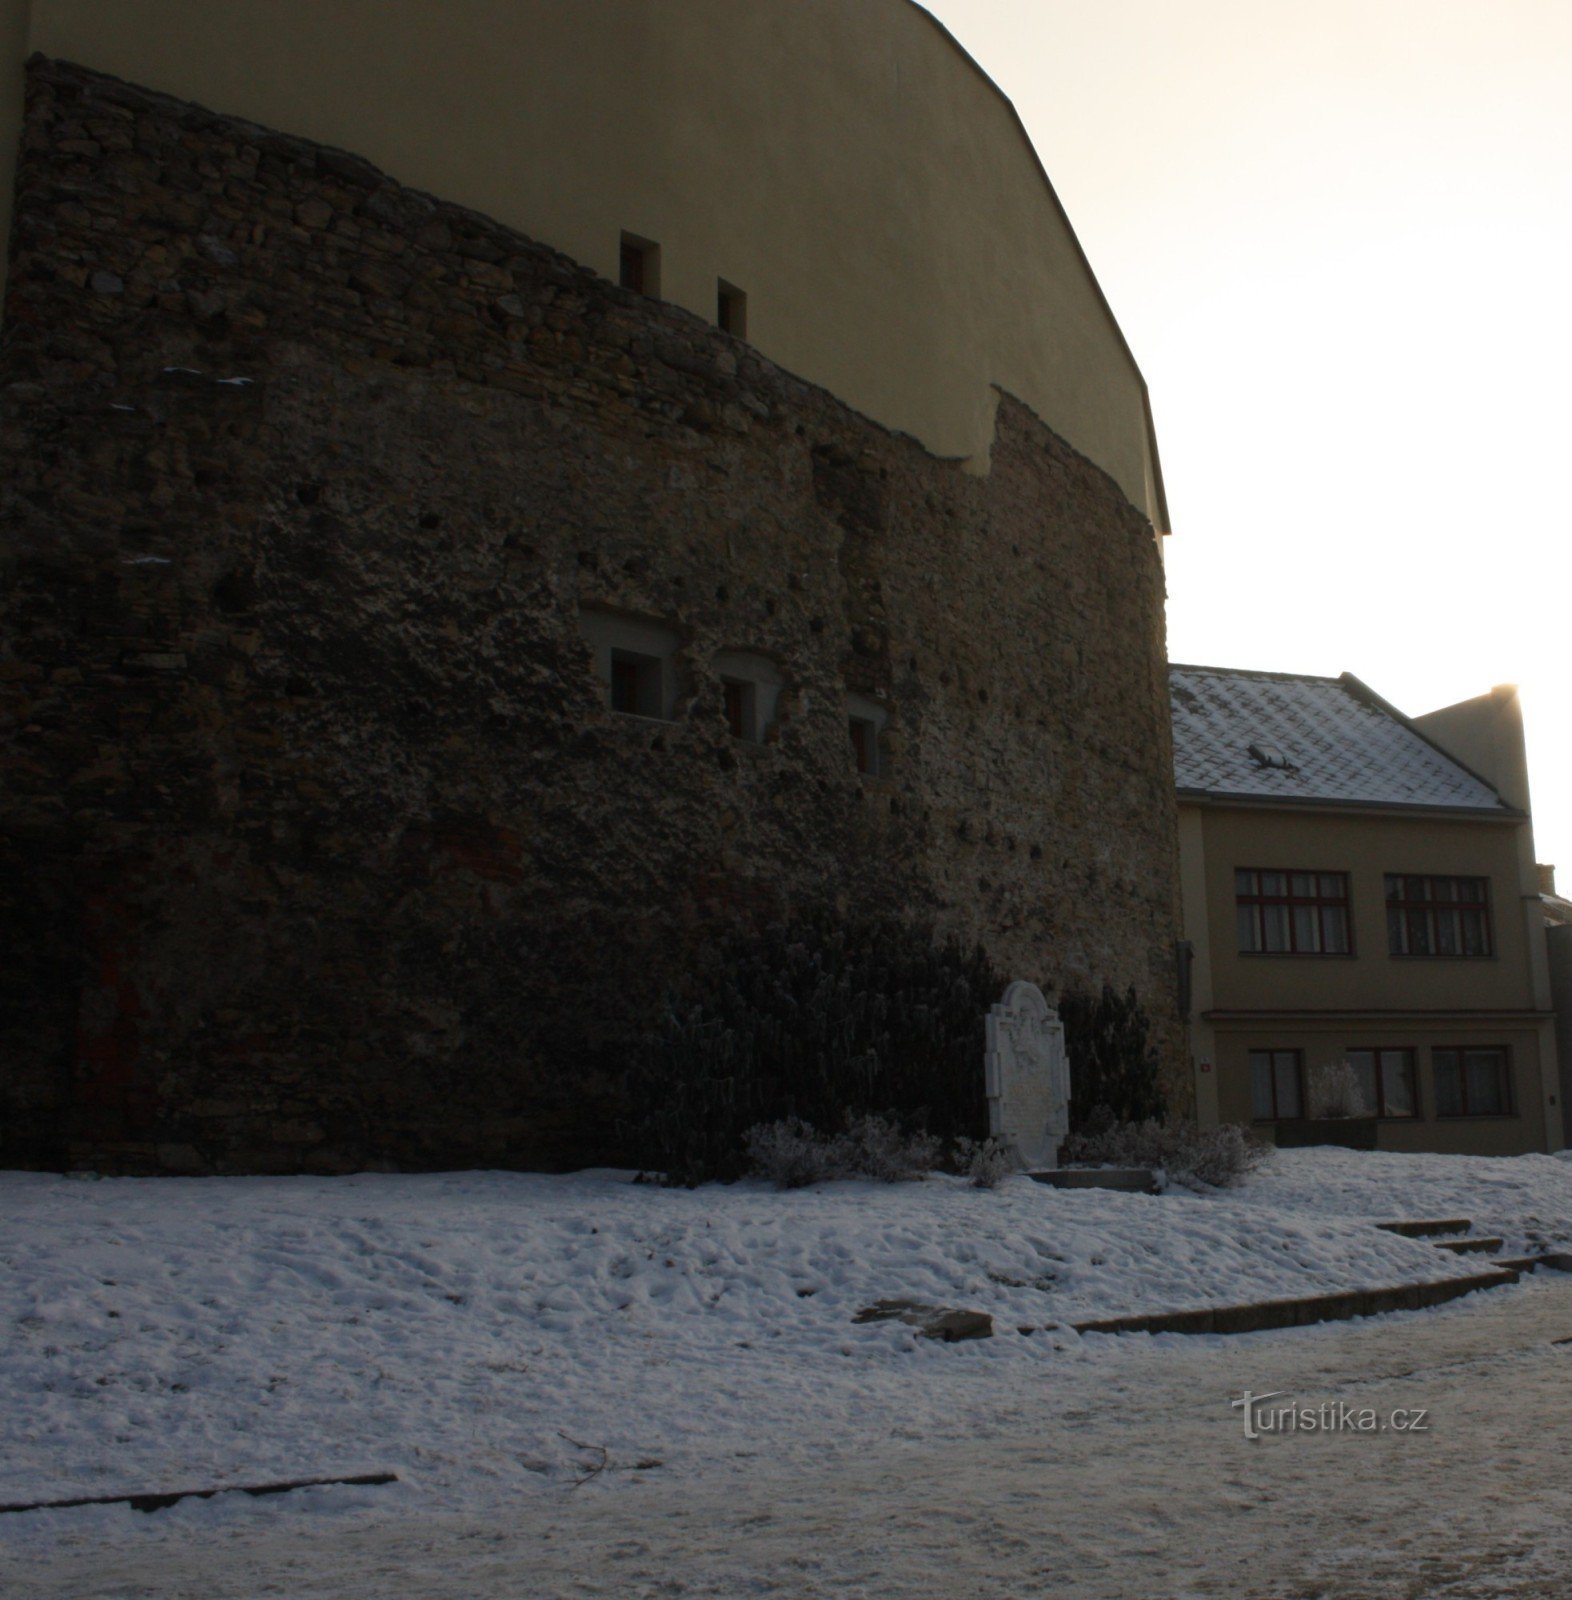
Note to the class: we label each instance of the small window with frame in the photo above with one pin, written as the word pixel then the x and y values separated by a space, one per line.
pixel 636 660
pixel 1387 1083
pixel 639 265
pixel 750 692
pixel 1277 1085
pixel 1472 1080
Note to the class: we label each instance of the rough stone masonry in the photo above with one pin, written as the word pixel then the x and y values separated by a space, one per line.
pixel 320 845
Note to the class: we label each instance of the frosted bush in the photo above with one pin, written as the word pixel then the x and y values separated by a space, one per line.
pixel 1336 1092
pixel 986 1161
pixel 792 1153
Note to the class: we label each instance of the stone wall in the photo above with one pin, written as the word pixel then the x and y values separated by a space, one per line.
pixel 321 845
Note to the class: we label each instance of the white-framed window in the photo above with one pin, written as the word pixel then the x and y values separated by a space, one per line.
pixel 636 661
pixel 750 691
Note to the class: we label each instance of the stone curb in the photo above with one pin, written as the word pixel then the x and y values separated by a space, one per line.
pixel 1337 1307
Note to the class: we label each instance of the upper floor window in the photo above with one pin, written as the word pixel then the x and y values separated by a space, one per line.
pixel 1472 1083
pixel 1386 1081
pixel 1283 912
pixel 639 265
pixel 1437 916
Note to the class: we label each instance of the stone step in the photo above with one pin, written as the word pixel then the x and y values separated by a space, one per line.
pixel 1426 1227
pixel 1549 1261
pixel 1481 1246
pixel 1335 1307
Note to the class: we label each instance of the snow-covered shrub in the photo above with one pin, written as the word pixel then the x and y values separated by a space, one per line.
pixel 824 1019
pixel 1215 1156
pixel 1113 1064
pixel 792 1153
pixel 878 1147
pixel 987 1162
pixel 1335 1091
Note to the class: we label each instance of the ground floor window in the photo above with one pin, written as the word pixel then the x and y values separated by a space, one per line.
pixel 1276 1084
pixel 1472 1082
pixel 1387 1084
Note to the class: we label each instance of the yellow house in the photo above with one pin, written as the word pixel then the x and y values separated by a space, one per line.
pixel 1360 887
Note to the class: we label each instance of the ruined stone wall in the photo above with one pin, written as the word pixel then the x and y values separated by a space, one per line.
pixel 319 843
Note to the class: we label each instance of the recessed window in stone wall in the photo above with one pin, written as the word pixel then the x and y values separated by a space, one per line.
pixel 636 661
pixel 731 309
pixel 865 720
pixel 750 691
pixel 640 265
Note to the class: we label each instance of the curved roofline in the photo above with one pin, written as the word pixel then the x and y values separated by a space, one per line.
pixel 1162 521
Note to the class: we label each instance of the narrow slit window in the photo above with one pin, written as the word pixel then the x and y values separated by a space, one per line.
pixel 640 265
pixel 731 309
pixel 865 723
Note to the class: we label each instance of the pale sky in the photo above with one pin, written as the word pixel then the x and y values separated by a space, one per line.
pixel 1338 238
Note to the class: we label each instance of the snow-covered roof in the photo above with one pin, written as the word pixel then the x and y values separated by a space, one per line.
pixel 1282 736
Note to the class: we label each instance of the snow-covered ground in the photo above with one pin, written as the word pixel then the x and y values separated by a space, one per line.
pixel 493 1338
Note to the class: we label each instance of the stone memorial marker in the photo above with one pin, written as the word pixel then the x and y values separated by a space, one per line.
pixel 1027 1075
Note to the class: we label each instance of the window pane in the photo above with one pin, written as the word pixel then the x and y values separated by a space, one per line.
pixel 1274 923
pixel 1304 885
pixel 1244 882
pixel 1394 889
pixel 1418 930
pixel 1476 941
pixel 1449 1083
pixel 1287 1076
pixel 1447 942
pixel 1332 886
pixel 1274 883
pixel 1397 1084
pixel 1334 930
pixel 1444 888
pixel 1306 928
pixel 1486 1083
pixel 1261 1084
pixel 1394 933
pixel 1416 888
pixel 1245 921
pixel 1363 1063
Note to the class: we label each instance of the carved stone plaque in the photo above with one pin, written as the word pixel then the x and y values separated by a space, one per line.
pixel 1027 1075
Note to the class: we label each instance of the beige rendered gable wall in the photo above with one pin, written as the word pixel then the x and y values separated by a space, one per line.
pixel 841 161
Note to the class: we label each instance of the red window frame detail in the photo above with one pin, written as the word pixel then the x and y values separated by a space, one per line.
pixel 1430 909
pixel 1298 1063
pixel 1460 1054
pixel 1378 1076
pixel 1255 898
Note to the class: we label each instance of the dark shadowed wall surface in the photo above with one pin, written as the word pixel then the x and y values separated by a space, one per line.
pixel 322 846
